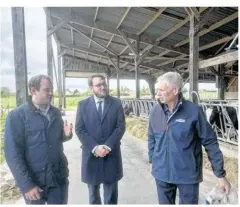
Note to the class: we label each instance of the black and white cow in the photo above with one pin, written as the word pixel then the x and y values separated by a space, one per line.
pixel 128 109
pixel 217 117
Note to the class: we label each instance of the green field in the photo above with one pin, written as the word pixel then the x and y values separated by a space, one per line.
pixel 71 102
pixel 3 117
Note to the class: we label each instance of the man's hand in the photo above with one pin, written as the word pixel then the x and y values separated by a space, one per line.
pixel 101 151
pixel 67 129
pixel 224 185
pixel 33 194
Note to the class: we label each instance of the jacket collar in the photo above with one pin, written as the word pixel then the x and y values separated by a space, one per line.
pixel 33 108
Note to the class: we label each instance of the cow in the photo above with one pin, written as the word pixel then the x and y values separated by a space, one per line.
pixel 217 116
pixel 128 109
pixel 227 127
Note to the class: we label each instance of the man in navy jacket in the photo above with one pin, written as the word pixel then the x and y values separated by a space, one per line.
pixel 100 125
pixel 177 131
pixel 34 136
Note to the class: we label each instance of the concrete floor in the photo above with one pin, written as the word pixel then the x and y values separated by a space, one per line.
pixel 137 185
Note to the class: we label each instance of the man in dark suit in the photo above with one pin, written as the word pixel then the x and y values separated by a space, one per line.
pixel 100 125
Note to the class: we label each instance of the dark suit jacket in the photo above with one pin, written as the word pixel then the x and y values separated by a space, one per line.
pixel 92 131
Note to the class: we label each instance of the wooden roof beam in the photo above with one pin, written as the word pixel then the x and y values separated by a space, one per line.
pixel 211 28
pixel 125 39
pixel 103 26
pixel 173 29
pixel 149 22
pixel 92 39
pixel 58 26
pixel 95 18
pixel 204 47
pixel 100 54
pixel 123 17
pixel 119 24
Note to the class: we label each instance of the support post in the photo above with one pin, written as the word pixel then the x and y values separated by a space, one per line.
pixel 118 81
pixel 64 88
pixel 220 83
pixel 20 59
pixel 136 69
pixel 49 48
pixel 193 54
pixel 151 84
pixel 59 76
pixel 108 77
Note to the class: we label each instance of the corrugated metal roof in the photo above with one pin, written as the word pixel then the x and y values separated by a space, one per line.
pixel 112 14
pixel 134 21
pixel 85 11
pixel 178 12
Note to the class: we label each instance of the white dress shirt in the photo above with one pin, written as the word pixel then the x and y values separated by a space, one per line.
pixel 44 112
pixel 96 99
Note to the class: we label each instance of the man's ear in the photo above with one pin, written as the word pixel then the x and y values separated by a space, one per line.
pixel 176 91
pixel 33 90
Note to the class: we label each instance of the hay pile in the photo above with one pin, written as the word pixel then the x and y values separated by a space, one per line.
pixel 8 190
pixel 230 165
pixel 139 128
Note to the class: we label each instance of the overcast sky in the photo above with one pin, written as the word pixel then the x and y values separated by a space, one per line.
pixel 35 31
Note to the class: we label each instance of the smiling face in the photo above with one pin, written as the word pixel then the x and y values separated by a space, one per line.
pixel 99 87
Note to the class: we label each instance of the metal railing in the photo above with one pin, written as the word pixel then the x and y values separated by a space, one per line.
pixel 225 131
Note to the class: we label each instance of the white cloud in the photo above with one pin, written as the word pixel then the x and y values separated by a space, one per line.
pixel 77 83
pixel 128 83
pixel 35 27
pixel 35 34
pixel 9 81
pixel 36 49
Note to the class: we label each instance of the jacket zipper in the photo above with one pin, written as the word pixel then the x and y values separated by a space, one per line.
pixel 169 170
pixel 168 154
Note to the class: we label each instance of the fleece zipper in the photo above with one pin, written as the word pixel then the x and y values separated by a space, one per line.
pixel 168 153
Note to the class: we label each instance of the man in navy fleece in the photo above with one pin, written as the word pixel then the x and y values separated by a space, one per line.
pixel 177 131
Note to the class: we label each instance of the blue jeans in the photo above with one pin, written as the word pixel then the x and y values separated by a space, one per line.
pixel 188 193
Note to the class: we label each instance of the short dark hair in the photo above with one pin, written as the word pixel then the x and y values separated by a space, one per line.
pixel 94 76
pixel 34 81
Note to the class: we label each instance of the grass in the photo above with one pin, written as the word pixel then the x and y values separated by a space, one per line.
pixel 3 118
pixel 71 102
pixel 9 101
pixel 138 128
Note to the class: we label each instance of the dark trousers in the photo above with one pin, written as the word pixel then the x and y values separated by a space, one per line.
pixel 110 193
pixel 188 193
pixel 52 195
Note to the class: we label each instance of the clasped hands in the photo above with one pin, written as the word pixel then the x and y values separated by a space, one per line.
pixel 101 150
